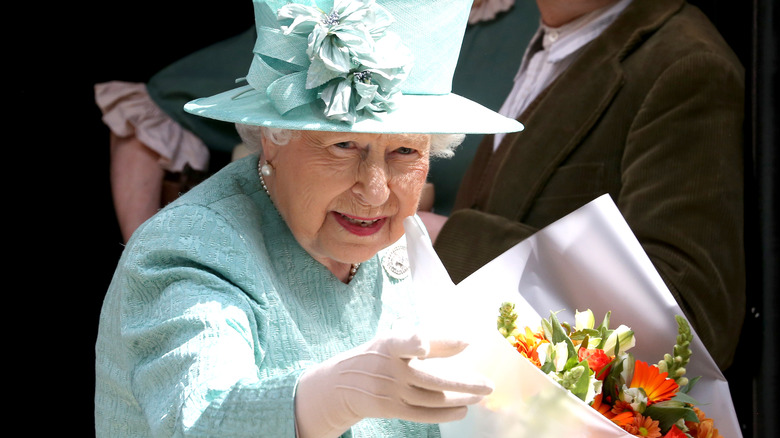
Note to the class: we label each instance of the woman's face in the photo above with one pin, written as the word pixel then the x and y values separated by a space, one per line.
pixel 345 195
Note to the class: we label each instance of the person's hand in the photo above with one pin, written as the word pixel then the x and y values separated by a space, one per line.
pixel 384 378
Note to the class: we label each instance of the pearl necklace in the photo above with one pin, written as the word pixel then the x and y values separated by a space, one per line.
pixel 352 269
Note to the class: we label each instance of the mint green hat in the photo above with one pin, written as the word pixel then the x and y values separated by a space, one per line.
pixel 374 66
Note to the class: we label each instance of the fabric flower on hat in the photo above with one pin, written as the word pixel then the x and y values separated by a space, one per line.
pixel 359 64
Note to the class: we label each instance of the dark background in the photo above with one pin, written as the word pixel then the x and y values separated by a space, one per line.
pixel 65 241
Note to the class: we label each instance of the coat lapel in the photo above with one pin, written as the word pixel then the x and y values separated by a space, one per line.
pixel 559 118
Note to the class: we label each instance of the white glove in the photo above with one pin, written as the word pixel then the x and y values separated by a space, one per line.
pixel 383 379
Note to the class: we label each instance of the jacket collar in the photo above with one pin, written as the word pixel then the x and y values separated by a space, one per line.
pixel 595 77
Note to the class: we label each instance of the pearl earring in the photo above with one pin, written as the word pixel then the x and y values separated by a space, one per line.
pixel 266 169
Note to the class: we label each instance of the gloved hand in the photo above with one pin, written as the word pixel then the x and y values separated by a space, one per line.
pixel 384 378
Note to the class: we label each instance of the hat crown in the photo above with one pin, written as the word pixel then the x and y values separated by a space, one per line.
pixel 431 29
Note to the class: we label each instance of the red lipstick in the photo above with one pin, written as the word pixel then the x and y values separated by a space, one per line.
pixel 359 226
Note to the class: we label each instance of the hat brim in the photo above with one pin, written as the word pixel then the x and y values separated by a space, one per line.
pixel 414 114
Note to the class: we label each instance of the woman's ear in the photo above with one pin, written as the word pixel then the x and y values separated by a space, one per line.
pixel 269 148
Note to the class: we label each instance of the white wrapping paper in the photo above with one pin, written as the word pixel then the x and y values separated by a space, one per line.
pixel 589 259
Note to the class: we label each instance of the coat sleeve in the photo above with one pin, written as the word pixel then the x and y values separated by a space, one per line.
pixel 192 337
pixel 682 192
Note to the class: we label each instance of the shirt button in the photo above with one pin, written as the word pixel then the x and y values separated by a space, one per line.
pixel 552 36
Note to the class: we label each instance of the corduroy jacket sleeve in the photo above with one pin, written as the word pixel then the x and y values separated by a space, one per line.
pixel 682 193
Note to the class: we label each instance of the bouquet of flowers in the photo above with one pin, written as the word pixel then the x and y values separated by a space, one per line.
pixel 594 364
pixel 589 259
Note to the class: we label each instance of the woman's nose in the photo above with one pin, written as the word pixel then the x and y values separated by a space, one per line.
pixel 372 185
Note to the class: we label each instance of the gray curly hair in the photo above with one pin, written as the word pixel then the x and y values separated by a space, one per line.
pixel 442 145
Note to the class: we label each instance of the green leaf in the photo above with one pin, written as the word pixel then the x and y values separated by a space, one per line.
pixel 669 412
pixel 547 328
pixel 613 382
pixel 604 332
pixel 605 323
pixel 581 334
pixel 559 335
pixel 691 383
pixel 685 398
pixel 584 344
pixel 571 363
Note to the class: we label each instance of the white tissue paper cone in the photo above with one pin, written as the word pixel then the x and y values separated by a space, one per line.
pixel 589 259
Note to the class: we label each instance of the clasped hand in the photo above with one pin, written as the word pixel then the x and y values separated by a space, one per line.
pixel 385 378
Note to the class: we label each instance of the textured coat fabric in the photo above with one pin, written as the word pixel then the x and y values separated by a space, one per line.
pixel 215 311
pixel 651 113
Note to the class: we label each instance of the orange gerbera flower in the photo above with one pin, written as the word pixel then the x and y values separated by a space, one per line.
pixel 621 406
pixel 705 428
pixel 598 405
pixel 657 387
pixel 619 418
pixel 622 413
pixel 528 343
pixel 643 426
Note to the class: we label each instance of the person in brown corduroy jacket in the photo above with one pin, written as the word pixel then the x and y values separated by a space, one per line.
pixel 651 113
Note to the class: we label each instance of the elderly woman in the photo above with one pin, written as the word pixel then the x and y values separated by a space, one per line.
pixel 274 299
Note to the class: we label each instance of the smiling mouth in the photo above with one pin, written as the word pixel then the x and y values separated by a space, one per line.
pixel 360 222
pixel 360 226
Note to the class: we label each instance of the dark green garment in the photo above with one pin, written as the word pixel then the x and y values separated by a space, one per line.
pixel 206 72
pixel 651 113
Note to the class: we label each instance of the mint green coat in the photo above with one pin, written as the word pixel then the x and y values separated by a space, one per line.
pixel 215 311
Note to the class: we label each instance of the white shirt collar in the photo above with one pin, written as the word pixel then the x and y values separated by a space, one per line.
pixel 562 41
